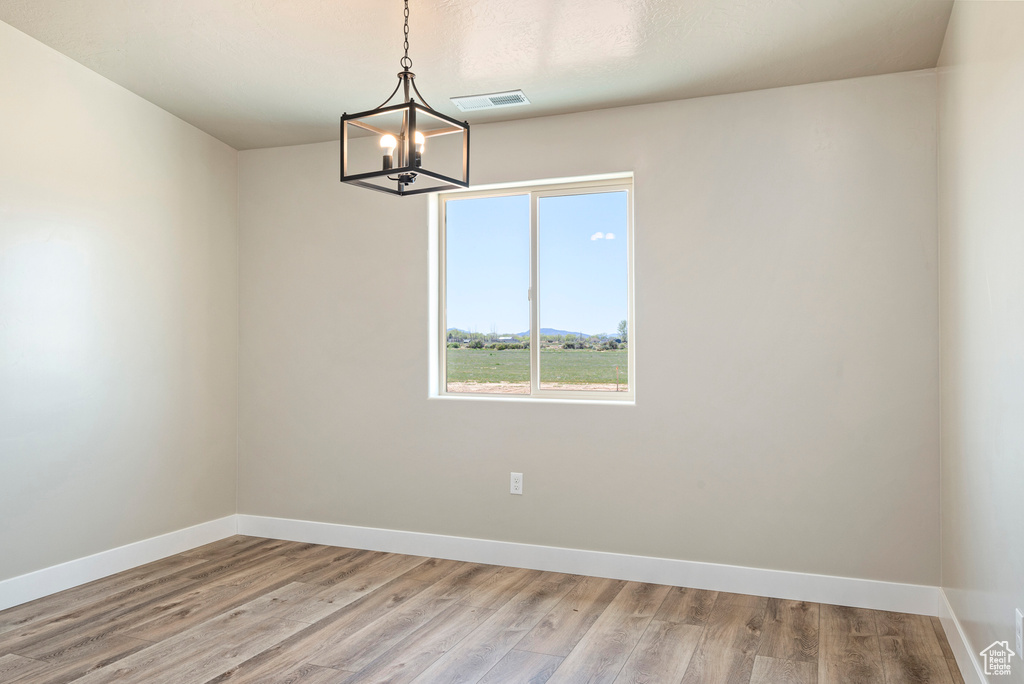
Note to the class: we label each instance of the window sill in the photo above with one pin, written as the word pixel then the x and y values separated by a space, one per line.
pixel 525 399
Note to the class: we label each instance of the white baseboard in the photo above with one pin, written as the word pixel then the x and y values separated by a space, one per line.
pixel 970 668
pixel 844 591
pixel 33 585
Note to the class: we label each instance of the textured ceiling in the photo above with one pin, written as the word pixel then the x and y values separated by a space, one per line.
pixel 262 73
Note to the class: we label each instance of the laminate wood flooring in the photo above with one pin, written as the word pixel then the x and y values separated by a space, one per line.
pixel 246 610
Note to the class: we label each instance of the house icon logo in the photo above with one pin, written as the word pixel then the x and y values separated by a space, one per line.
pixel 997 658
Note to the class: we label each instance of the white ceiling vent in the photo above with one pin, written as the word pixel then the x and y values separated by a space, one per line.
pixel 472 103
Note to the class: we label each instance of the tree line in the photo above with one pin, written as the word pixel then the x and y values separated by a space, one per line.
pixel 457 339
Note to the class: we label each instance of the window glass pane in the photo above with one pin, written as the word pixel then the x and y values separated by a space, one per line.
pixel 582 282
pixel 487 258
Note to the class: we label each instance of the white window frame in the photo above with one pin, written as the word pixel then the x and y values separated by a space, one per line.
pixel 536 191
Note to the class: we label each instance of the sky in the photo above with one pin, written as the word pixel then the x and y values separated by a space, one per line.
pixel 583 268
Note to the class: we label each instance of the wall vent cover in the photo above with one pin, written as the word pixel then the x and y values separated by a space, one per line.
pixel 472 103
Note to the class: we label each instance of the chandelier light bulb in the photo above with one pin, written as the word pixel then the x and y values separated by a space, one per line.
pixel 421 142
pixel 388 144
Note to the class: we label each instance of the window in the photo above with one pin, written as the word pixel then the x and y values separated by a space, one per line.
pixel 535 291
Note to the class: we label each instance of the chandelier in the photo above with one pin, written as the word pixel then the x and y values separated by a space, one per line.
pixel 418 149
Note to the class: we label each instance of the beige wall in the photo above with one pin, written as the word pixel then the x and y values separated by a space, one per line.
pixel 787 315
pixel 118 314
pixel 981 158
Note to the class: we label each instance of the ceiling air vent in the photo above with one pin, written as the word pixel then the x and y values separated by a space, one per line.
pixel 472 103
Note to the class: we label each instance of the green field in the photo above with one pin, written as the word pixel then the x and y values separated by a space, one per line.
pixel 556 366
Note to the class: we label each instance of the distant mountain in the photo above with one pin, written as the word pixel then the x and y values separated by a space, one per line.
pixel 550 331
pixel 555 331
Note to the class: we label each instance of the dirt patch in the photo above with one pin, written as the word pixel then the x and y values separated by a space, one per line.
pixel 587 386
pixel 524 387
pixel 489 387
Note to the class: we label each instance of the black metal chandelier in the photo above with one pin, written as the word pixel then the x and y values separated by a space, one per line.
pixel 397 161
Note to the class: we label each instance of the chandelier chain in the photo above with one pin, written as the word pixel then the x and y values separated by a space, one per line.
pixel 406 62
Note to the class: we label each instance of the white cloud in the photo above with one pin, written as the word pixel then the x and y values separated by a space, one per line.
pixel 609 236
pixel 597 236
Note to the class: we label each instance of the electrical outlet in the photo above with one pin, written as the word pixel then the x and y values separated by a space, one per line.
pixel 516 486
pixel 1020 634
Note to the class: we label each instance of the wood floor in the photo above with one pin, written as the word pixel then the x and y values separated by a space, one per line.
pixel 247 610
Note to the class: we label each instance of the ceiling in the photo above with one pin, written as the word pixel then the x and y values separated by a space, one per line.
pixel 263 73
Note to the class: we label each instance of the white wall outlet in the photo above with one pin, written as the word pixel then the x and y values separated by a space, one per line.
pixel 516 485
pixel 1020 634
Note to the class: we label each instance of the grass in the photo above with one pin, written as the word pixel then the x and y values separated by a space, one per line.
pixel 513 365
pixel 582 366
